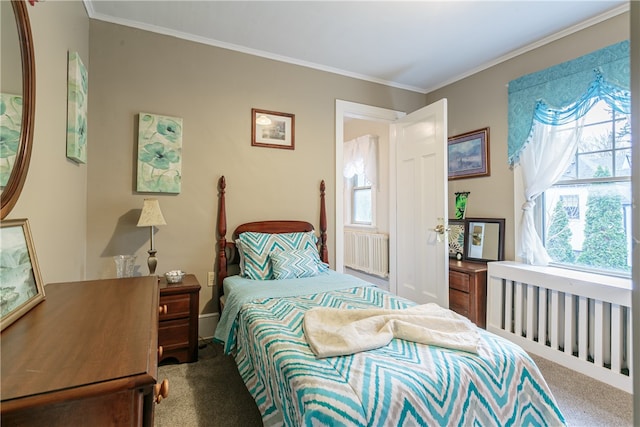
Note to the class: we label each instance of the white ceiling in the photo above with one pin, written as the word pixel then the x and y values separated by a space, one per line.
pixel 415 45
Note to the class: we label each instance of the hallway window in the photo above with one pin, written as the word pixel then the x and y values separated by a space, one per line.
pixel 361 201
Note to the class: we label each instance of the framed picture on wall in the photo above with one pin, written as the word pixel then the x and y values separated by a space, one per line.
pixel 272 129
pixel 468 154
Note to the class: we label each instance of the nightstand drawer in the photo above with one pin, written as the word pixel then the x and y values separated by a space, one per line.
pixel 177 306
pixel 459 281
pixel 459 302
pixel 173 334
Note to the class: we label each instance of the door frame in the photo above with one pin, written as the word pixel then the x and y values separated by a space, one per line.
pixel 349 109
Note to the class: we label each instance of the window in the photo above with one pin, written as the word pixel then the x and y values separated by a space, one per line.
pixel 571 205
pixel 361 201
pixel 585 217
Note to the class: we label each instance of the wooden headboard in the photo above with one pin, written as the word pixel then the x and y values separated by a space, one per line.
pixel 227 252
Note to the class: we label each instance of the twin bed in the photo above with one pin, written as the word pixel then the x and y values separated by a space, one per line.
pixel 285 298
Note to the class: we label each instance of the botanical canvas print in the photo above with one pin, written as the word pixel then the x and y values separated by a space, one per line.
pixel 159 154
pixel 10 126
pixel 77 90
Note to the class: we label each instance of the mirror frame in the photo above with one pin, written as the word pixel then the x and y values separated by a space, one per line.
pixel 500 222
pixel 12 190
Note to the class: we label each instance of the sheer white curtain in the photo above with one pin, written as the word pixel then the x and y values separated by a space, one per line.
pixel 361 157
pixel 544 159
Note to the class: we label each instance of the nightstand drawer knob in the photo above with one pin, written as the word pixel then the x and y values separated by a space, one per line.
pixel 161 390
pixel 160 351
pixel 163 309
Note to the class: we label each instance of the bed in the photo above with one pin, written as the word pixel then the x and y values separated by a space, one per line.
pixel 265 325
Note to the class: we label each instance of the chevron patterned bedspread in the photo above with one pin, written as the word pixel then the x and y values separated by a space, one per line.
pixel 402 384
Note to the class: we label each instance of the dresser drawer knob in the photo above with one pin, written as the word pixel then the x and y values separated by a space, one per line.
pixel 161 390
pixel 160 351
pixel 163 309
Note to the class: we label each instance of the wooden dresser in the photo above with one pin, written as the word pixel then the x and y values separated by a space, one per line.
pixel 468 290
pixel 178 330
pixel 85 356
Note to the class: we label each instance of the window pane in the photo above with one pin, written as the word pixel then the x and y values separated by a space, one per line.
pixel 595 165
pixel 623 131
pixel 596 137
pixel 623 162
pixel 362 206
pixel 599 236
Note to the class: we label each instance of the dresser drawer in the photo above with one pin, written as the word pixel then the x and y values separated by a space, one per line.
pixel 459 302
pixel 459 281
pixel 177 306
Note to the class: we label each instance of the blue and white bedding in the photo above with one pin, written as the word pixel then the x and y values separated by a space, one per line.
pixel 403 383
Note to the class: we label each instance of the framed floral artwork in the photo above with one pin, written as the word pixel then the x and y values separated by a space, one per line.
pixel 77 91
pixel 159 154
pixel 21 286
pixel 10 126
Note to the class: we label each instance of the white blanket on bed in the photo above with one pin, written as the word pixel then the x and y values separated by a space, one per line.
pixel 336 332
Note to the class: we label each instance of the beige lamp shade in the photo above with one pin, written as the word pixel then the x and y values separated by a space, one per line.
pixel 151 214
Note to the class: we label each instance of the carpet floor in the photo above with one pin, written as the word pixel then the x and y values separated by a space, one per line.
pixel 210 393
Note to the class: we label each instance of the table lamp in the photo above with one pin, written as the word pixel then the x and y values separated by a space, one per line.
pixel 151 216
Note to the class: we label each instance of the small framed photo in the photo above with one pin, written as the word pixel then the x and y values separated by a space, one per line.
pixel 468 154
pixel 21 286
pixel 272 129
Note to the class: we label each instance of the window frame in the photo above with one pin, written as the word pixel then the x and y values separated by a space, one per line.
pixel 540 215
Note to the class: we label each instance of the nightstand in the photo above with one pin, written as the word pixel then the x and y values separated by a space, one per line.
pixel 178 323
pixel 468 290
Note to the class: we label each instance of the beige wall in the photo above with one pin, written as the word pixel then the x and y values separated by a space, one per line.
pixel 481 100
pixel 54 198
pixel 213 90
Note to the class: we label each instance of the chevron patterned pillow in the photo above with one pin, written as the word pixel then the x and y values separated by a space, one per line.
pixel 257 248
pixel 295 263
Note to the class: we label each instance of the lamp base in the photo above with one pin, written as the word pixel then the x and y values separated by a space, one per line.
pixel 152 261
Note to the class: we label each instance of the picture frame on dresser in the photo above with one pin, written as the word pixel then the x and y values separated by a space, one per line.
pixel 21 286
pixel 484 239
pixel 456 238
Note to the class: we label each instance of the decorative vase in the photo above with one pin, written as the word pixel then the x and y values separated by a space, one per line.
pixel 461 204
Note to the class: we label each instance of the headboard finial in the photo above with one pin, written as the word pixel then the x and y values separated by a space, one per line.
pixel 222 235
pixel 324 253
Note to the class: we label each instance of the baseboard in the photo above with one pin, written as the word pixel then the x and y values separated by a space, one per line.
pixel 207 325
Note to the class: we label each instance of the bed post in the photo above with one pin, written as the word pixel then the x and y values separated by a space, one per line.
pixel 324 254
pixel 222 233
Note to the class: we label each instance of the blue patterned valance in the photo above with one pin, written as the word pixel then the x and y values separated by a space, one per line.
pixel 566 89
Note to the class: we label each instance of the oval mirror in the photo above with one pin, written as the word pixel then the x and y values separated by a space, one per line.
pixel 17 101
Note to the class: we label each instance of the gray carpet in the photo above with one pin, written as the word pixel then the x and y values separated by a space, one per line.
pixel 210 393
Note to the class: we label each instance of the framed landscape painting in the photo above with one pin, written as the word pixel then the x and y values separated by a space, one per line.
pixel 21 286
pixel 272 129
pixel 468 154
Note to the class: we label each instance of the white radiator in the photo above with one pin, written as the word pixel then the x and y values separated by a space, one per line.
pixel 367 252
pixel 581 321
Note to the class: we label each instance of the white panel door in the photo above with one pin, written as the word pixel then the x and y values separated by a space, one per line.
pixel 422 261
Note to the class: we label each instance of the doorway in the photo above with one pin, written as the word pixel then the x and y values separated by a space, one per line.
pixel 353 120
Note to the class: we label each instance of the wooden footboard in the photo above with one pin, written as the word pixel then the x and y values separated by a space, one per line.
pixel 227 252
